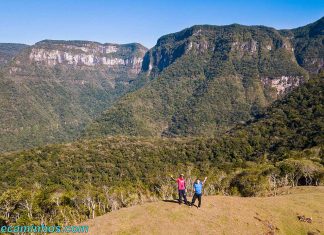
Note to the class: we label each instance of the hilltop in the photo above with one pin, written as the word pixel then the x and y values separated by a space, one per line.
pixel 221 215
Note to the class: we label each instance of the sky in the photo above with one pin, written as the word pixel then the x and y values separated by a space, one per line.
pixel 126 21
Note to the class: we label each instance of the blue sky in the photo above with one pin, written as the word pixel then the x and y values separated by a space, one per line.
pixel 124 21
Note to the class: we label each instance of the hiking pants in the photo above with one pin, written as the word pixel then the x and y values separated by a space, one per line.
pixel 195 196
pixel 182 194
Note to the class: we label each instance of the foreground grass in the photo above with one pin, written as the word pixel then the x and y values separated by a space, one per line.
pixel 221 215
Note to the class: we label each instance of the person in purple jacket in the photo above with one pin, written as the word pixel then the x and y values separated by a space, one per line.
pixel 198 192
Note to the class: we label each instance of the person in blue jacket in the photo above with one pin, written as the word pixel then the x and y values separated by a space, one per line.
pixel 198 191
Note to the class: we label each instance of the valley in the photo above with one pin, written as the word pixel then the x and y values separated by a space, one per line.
pixel 91 132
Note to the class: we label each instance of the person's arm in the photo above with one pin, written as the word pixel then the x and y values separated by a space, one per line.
pixel 173 178
pixel 204 180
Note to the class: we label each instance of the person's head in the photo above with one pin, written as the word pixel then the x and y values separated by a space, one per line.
pixel 181 176
pixel 198 181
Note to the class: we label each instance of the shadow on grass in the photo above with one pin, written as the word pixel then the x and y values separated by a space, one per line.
pixel 176 201
pixel 172 201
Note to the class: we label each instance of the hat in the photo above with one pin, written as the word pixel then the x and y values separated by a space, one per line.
pixel 182 174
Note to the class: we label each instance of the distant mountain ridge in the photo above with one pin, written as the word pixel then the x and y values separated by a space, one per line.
pixel 51 89
pixel 200 81
pixel 8 51
pixel 205 79
pixel 52 52
pixel 308 44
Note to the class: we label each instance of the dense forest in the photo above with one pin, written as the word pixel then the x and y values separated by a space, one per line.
pixel 68 183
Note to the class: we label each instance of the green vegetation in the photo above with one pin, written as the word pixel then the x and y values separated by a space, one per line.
pixel 210 85
pixel 201 81
pixel 72 182
pixel 204 80
pixel 8 51
pixel 41 104
pixel 294 122
pixel 308 44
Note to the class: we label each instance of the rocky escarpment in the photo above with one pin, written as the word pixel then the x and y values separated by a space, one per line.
pixel 282 84
pixel 83 54
pixel 206 79
pixel 244 51
pixel 305 42
pixel 308 42
pixel 50 90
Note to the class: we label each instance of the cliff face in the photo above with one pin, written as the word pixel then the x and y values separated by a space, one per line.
pixel 202 80
pixel 51 89
pixel 81 55
pixel 234 49
pixel 206 79
pixel 308 42
pixel 52 53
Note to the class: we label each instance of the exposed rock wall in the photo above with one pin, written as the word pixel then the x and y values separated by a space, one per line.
pixel 80 54
pixel 86 57
pixel 282 84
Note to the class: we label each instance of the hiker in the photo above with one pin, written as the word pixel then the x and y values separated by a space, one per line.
pixel 198 192
pixel 181 188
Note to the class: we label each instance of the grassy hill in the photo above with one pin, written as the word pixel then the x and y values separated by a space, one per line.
pixel 221 215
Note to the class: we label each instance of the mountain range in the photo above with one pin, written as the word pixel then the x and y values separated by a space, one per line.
pixel 206 79
pixel 201 81
pixel 242 105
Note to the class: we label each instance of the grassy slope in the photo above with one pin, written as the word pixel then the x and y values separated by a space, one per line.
pixel 221 215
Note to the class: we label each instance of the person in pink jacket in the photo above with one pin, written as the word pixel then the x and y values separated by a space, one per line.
pixel 181 188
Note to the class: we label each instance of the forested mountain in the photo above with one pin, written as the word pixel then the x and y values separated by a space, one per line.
pixel 69 183
pixel 308 44
pixel 201 81
pixel 48 91
pixel 8 51
pixel 205 79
